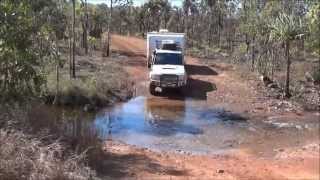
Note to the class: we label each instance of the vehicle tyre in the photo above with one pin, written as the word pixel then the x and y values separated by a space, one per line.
pixel 148 64
pixel 152 90
pixel 180 90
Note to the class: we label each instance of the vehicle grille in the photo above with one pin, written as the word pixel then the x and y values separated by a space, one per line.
pixel 168 78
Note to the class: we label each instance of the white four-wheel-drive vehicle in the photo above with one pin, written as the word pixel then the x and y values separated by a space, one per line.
pixel 165 55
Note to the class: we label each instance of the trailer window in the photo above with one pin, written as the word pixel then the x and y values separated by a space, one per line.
pixel 168 58
pixel 172 47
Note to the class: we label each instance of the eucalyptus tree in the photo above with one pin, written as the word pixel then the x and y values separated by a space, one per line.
pixel 211 6
pixel 190 9
pixel 98 20
pixel 84 20
pixel 113 3
pixel 249 26
pixel 313 23
pixel 73 65
pixel 23 30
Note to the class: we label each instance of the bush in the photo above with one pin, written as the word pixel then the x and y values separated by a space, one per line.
pixel 98 88
pixel 316 75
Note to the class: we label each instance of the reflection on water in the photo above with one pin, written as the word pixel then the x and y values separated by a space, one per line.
pixel 152 117
pixel 73 126
pixel 186 125
pixel 170 125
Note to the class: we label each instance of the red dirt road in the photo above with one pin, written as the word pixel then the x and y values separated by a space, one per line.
pixel 228 91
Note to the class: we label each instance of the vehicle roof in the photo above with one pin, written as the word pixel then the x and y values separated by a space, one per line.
pixel 169 34
pixel 168 51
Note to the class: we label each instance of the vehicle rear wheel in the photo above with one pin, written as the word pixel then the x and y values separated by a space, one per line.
pixel 152 90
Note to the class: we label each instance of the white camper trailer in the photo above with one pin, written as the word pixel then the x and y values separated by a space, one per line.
pixel 156 40
pixel 165 56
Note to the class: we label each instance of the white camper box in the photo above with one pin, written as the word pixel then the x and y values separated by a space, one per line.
pixel 155 39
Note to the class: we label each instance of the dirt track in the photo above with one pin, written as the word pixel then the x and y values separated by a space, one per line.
pixel 219 86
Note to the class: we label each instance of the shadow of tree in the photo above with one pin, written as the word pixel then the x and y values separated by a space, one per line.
pixel 199 70
pixel 126 165
pixel 198 89
pixel 195 89
pixel 131 53
pixel 233 117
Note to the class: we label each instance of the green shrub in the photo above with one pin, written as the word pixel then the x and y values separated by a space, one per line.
pixel 316 74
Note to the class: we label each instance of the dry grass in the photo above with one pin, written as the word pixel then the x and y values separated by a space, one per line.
pixel 25 154
pixel 99 82
pixel 24 157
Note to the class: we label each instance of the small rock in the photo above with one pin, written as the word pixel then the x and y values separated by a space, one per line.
pixel 252 129
pixel 220 171
pixel 259 108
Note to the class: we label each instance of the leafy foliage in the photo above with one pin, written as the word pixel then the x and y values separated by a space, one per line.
pixel 24 26
pixel 286 28
pixel 313 20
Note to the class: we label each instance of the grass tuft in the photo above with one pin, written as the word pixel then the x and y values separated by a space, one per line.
pixel 25 157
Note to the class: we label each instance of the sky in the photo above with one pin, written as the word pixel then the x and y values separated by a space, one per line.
pixel 136 2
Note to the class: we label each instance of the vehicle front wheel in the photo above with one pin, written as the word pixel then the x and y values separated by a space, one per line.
pixel 152 90
pixel 148 64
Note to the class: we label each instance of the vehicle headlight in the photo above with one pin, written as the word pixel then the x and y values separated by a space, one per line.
pixel 155 77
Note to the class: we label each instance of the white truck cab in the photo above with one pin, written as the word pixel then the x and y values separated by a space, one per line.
pixel 166 61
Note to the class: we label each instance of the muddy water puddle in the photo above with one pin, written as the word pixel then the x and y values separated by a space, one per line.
pixel 191 126
pixel 178 126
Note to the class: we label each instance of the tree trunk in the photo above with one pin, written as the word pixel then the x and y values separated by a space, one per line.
pixel 210 33
pixel 219 27
pixel 247 43
pixel 85 28
pixel 252 54
pixel 56 98
pixel 109 24
pixel 287 88
pixel 185 21
pixel 73 39
pixel 70 53
pixel 272 63
pixel 5 81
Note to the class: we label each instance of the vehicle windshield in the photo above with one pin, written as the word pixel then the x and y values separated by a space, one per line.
pixel 168 58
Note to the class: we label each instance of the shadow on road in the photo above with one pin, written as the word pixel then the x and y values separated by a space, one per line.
pixel 135 62
pixel 131 53
pixel 125 165
pixel 193 69
pixel 196 89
